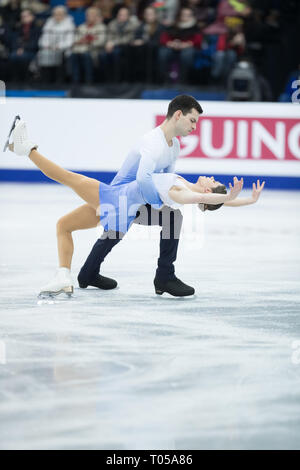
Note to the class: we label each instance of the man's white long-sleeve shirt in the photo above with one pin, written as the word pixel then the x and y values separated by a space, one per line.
pixel 151 154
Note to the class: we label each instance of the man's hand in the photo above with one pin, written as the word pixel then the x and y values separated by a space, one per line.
pixel 235 189
pixel 257 189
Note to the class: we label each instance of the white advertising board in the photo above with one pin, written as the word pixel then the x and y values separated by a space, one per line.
pixel 260 139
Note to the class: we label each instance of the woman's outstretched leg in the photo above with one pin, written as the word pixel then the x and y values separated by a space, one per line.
pixel 81 218
pixel 86 188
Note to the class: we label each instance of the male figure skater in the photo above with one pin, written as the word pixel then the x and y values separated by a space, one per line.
pixel 155 152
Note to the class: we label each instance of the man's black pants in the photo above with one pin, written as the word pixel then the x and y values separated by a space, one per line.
pixel 170 220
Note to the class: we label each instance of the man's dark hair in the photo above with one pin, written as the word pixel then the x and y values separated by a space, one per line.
pixel 221 189
pixel 184 103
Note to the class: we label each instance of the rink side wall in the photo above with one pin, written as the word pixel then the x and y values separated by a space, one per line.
pixel 253 140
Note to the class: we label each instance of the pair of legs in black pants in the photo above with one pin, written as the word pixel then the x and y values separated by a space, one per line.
pixel 165 279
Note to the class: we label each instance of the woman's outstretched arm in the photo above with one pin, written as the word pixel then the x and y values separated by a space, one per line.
pixel 186 196
pixel 245 201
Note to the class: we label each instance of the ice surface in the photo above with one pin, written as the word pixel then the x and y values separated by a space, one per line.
pixel 126 369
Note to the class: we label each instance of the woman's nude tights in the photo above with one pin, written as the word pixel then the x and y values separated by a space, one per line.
pixel 83 217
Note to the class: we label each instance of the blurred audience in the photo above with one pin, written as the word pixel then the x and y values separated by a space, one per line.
pixel 10 11
pixel 55 43
pixel 90 39
pixel 4 50
pixel 120 34
pixel 144 47
pixel 190 41
pixel 204 11
pixel 229 47
pixel 23 46
pixel 179 43
pixel 226 10
pixel 106 8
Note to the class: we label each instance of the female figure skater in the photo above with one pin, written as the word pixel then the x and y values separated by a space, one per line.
pixel 116 206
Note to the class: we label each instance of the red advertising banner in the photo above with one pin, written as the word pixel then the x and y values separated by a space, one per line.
pixel 242 138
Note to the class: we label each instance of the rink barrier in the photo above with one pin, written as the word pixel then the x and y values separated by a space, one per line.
pixel 34 176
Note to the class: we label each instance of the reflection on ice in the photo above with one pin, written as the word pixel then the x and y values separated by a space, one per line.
pixel 128 369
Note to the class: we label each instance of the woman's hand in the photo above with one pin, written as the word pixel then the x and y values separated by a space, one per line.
pixel 235 189
pixel 257 189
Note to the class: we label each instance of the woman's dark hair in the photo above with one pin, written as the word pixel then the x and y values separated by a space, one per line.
pixel 221 189
pixel 184 103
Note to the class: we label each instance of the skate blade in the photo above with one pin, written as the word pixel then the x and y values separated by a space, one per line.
pixel 50 294
pixel 17 118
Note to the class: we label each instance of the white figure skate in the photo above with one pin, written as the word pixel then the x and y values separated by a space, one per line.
pixel 17 140
pixel 61 284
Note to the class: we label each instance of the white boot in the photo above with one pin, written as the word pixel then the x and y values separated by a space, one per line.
pixel 18 141
pixel 61 283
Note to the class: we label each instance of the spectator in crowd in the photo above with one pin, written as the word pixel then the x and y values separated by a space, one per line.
pixel 106 8
pixel 38 7
pixel 254 30
pixel 228 9
pixel 168 12
pixel 10 12
pixel 90 39
pixel 273 69
pixel 179 43
pixel 120 34
pixel 204 11
pixel 265 43
pixel 55 43
pixel 233 8
pixel 130 4
pixel 145 47
pixel 229 47
pixel 24 46
pixel 4 50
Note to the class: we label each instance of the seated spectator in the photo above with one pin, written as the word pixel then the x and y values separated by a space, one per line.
pixel 179 43
pixel 229 47
pixel 204 12
pixel 254 30
pixel 24 46
pixel 10 12
pixel 167 11
pixel 4 50
pixel 228 9
pixel 55 43
pixel 106 7
pixel 89 40
pixel 120 34
pixel 145 47
pixel 38 7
